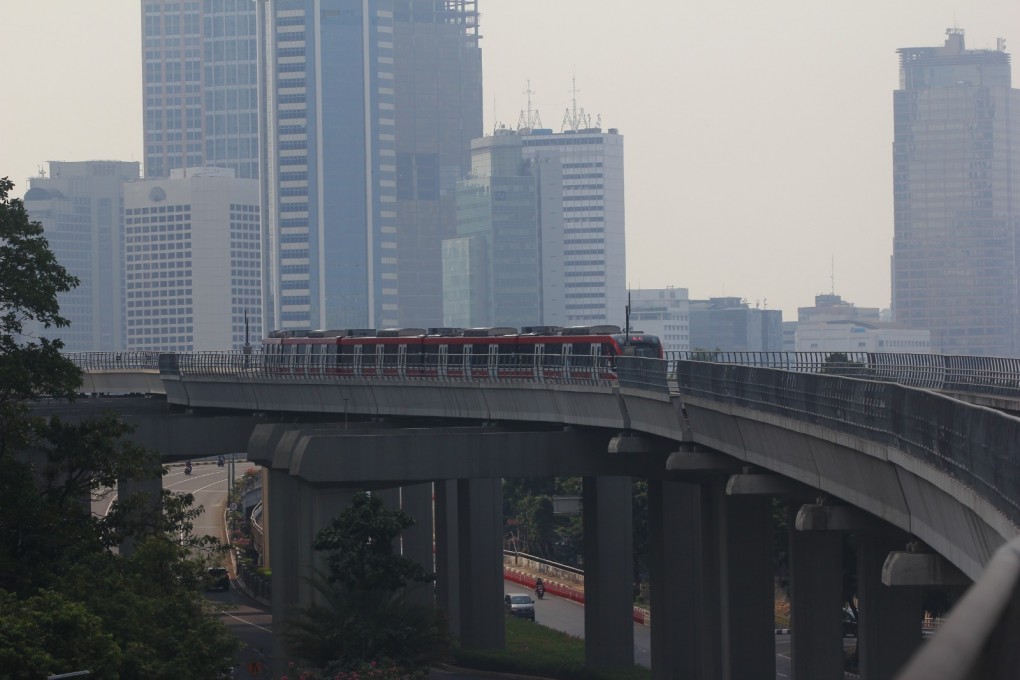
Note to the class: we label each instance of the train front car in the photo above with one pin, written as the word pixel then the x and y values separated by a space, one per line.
pixel 587 352
pixel 637 344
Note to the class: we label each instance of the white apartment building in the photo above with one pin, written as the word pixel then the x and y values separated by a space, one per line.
pixel 594 266
pixel 192 261
pixel 860 336
pixel 664 312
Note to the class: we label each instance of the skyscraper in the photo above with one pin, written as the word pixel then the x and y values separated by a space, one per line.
pixel 369 109
pixel 200 88
pixel 543 214
pixel 81 208
pixel 508 256
pixel 956 183
pixel 594 268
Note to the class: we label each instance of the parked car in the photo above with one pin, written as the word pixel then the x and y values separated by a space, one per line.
pixel 520 604
pixel 218 578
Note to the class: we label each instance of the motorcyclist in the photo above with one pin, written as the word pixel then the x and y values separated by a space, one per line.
pixel 219 461
pixel 187 468
pixel 539 587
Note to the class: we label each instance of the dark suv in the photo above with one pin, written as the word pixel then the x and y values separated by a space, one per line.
pixel 217 578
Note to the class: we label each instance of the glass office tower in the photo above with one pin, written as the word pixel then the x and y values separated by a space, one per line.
pixel 200 85
pixel 956 181
pixel 81 208
pixel 368 109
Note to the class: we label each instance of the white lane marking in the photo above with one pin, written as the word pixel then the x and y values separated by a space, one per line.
pixel 247 623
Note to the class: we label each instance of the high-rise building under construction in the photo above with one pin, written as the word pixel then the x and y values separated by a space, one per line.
pixel 369 108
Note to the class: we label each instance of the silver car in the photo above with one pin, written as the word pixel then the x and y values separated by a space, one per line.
pixel 520 604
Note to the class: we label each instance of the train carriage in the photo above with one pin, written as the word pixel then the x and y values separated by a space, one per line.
pixel 535 353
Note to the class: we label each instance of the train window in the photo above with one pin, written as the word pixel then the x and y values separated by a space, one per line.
pixel 368 355
pixel 580 354
pixel 480 355
pixel 552 354
pixel 508 354
pixel 390 355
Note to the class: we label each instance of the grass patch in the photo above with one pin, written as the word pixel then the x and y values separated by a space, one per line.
pixel 533 649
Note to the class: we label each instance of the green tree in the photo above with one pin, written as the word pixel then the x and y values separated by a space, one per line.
pixel 538 524
pixel 67 600
pixel 839 363
pixel 364 614
pixel 639 518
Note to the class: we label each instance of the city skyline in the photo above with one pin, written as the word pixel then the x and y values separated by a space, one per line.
pixel 736 181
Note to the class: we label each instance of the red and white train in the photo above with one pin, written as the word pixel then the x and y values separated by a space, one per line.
pixel 533 352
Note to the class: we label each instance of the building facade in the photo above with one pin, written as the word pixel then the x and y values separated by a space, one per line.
pixel 594 267
pixel 81 208
pixel 368 109
pixel 861 336
pixel 729 324
pixel 200 86
pixel 665 312
pixel 507 258
pixel 832 307
pixel 956 182
pixel 192 262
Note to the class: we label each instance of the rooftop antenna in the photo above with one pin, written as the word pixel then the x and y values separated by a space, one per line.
pixel 532 120
pixel 42 171
pixel 575 119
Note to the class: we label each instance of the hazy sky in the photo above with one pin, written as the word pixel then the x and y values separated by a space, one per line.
pixel 757 134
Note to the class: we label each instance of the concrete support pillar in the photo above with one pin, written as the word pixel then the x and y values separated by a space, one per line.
pixel 447 549
pixel 299 512
pixel 324 504
pixel 608 572
pixel 674 514
pixel 816 594
pixel 889 628
pixel 480 529
pixel 283 548
pixel 710 583
pixel 748 602
pixel 151 491
pixel 416 501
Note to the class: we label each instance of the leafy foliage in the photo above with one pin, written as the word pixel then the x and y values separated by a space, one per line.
pixel 67 601
pixel 30 279
pixel 363 613
pixel 359 544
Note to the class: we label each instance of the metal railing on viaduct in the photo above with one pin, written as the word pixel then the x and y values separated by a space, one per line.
pixel 868 443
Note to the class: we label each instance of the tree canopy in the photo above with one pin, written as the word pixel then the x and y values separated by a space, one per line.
pixel 68 601
pixel 364 614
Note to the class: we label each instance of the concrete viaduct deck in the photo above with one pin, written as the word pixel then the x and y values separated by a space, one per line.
pixel 926 482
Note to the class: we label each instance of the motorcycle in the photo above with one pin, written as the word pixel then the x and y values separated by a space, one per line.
pixel 187 469
pixel 220 461
pixel 540 590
